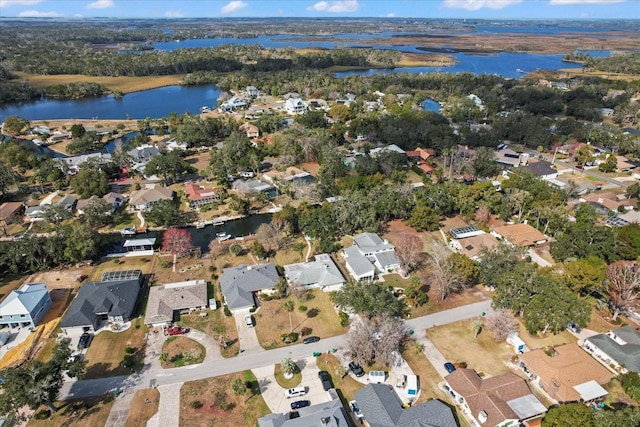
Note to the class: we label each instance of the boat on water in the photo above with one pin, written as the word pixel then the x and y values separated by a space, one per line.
pixel 221 237
pixel 217 223
pixel 200 225
pixel 128 231
pixel 518 70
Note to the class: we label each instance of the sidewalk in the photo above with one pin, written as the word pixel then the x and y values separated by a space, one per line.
pixel 168 414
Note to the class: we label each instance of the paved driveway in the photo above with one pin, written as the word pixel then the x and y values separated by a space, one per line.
pixel 210 345
pixel 273 394
pixel 246 335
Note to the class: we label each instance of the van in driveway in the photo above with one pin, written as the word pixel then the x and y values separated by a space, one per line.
pixel 248 320
pixel 295 392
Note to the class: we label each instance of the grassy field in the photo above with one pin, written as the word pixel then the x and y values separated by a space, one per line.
pixel 104 356
pixel 89 412
pixel 456 343
pixel 212 402
pixel 144 406
pixel 286 383
pixel 181 351
pixel 122 84
pixel 320 318
pixel 216 324
pixel 145 264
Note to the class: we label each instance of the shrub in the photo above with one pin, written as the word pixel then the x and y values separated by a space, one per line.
pixel 344 319
pixel 227 312
pixel 631 384
pixel 129 350
pixel 116 261
pixel 195 404
pixel 42 414
pixel 302 308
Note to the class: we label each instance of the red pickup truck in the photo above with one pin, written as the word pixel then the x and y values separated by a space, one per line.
pixel 177 330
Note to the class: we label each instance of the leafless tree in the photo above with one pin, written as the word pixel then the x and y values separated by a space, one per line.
pixel 501 323
pixel 378 339
pixel 483 214
pixel 274 235
pixel 444 279
pixel 409 250
pixel 623 284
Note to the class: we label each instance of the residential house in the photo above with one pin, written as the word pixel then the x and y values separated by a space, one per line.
pixel 239 284
pixel 173 144
pixel 234 103
pixel 623 164
pixel 466 231
pixel 472 247
pixel 295 106
pixel 608 201
pixel 141 156
pixel 34 213
pixel 393 148
pixel 509 158
pixel 74 162
pixel 144 199
pixel 522 235
pixel 167 302
pixel 426 169
pixel 111 300
pixel 83 203
pixel 68 202
pixel 252 187
pixel 501 400
pixel 321 273
pixel 58 136
pixel 569 374
pixel 25 307
pixel 252 91
pixel 368 254
pixel 420 154
pixel 250 130
pixel 40 130
pixel 199 196
pixel 290 175
pixel 327 414
pixel 631 217
pixel 542 169
pixel 619 347
pixel 116 200
pixel 140 246
pixel 381 407
pixel 11 212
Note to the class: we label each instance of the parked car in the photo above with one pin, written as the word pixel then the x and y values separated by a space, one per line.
pixel 300 404
pixel 85 341
pixel 295 392
pixel 449 367
pixel 248 320
pixel 573 327
pixel 356 409
pixel 309 340
pixel 177 330
pixel 356 369
pixel 326 380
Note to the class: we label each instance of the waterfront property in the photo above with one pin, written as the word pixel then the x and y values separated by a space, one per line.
pixel 240 283
pixel 144 199
pixel 368 254
pixel 321 273
pixel 252 187
pixel 619 347
pixel 500 400
pixel 109 301
pixel 25 307
pixel 199 196
pixel 141 156
pixel 139 246
pixel 167 302
pixel 75 162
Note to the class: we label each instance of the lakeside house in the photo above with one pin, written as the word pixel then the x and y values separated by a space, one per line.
pixel 199 196
pixel 239 285
pixel 141 156
pixel 75 162
pixel 321 273
pixel 144 199
pixel 167 302
pixel 25 307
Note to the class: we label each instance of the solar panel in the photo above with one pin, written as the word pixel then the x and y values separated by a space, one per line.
pixel 115 276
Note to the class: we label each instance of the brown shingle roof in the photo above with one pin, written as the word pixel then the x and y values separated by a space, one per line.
pixel 520 234
pixel 8 209
pixel 568 367
pixel 471 246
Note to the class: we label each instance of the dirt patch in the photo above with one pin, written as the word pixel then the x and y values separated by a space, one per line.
pixel 212 402
pixel 144 406
pixel 181 351
pixel 62 278
pixel 312 167
pixel 123 84
pixel 200 161
pixel 89 412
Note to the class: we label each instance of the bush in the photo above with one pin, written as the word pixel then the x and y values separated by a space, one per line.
pixel 227 312
pixel 129 350
pixel 195 404
pixel 42 414
pixel 116 261
pixel 302 308
pixel 631 384
pixel 344 319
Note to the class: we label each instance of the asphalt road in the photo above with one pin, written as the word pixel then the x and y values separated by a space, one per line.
pixel 73 389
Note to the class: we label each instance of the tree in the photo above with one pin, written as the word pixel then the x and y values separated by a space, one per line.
pixel 91 181
pixel 378 338
pixel 484 163
pixel 571 414
pixel 623 286
pixel 166 213
pixel 628 416
pixel 501 323
pixel 97 213
pixel 582 239
pixel 368 299
pixel 627 241
pixel 275 234
pixel 444 278
pixel 55 214
pixel 177 241
pixel 235 248
pixel 476 327
pixel 409 251
pixel 609 165
pixel 300 247
pixel 288 306
pixel 424 218
pixel 239 388
pixel 80 241
pixel 416 293
pixel 289 366
pixel 585 276
pixel 15 125
pixel 631 384
pixel 169 166
pixel 37 383
pixel 8 177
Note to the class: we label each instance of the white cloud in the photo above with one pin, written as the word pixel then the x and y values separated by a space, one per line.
pixel 38 14
pixel 563 2
pixel 337 6
pixel 174 13
pixel 234 6
pixel 479 4
pixel 7 3
pixel 390 15
pixel 100 4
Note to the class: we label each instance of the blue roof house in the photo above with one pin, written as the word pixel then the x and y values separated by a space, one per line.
pixel 25 307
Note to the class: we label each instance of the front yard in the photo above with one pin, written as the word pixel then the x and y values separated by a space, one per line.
pixel 217 326
pixel 347 385
pixel 144 406
pixel 319 318
pixel 106 355
pixel 212 402
pixel 181 351
pixel 427 374
pixel 89 412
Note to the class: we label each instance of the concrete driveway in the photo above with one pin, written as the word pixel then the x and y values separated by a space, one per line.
pixel 273 394
pixel 431 352
pixel 247 336
pixel 210 345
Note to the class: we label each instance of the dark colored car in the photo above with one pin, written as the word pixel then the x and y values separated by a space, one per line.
pixel 573 327
pixel 326 380
pixel 300 404
pixel 85 341
pixel 449 367
pixel 309 340
pixel 356 369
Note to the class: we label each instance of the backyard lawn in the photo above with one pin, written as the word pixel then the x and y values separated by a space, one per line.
pixel 320 318
pixel 89 412
pixel 212 402
pixel 457 344
pixel 144 406
pixel 106 353
pixel 535 342
pixel 125 263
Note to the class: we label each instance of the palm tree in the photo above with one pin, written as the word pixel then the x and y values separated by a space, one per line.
pixel 289 305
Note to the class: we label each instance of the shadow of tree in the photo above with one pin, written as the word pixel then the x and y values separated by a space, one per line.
pixel 313 313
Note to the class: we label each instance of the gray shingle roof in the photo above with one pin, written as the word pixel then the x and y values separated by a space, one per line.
pixel 627 354
pixel 382 407
pixel 358 262
pixel 238 283
pixel 332 412
pixel 164 300
pixel 371 242
pixel 116 298
pixel 322 271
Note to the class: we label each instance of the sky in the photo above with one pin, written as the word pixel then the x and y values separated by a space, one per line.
pixel 473 9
